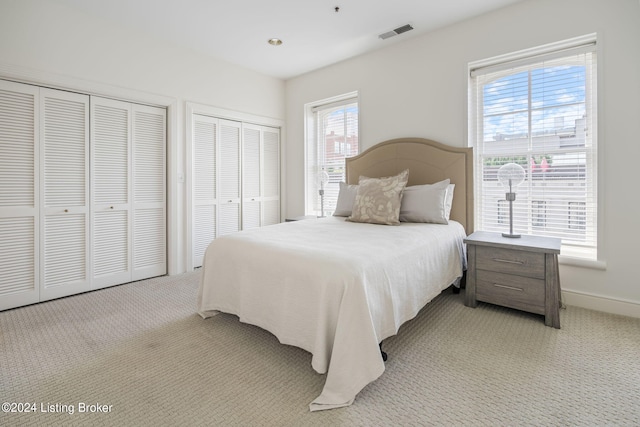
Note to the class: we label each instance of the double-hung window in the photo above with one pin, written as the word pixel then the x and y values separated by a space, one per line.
pixel 538 109
pixel 331 136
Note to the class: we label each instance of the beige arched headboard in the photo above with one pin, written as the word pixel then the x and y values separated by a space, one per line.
pixel 428 162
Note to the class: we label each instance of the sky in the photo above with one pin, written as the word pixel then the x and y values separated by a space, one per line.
pixel 557 98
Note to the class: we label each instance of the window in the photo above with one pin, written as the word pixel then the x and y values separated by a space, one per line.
pixel 538 109
pixel 331 136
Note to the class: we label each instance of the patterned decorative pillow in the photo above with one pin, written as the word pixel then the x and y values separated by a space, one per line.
pixel 378 199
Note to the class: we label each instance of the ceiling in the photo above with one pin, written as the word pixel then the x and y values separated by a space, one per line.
pixel 314 35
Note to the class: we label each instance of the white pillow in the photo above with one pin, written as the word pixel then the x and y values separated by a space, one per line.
pixel 346 199
pixel 427 203
pixel 449 201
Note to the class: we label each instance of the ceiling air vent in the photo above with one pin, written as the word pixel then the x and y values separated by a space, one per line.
pixel 395 32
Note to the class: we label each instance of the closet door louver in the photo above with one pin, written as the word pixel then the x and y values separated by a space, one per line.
pixel 261 176
pixel 149 218
pixel 111 204
pixel 19 195
pixel 64 201
pixel 271 176
pixel 251 177
pixel 205 131
pixel 229 177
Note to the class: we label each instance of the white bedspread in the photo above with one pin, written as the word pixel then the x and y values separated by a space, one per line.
pixel 333 288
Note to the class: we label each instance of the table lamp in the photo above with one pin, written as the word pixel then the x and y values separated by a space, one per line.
pixel 323 179
pixel 510 176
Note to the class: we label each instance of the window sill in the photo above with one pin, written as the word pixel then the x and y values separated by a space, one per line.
pixel 582 262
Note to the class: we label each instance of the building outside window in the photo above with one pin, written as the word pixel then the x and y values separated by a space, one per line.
pixel 331 136
pixel 538 213
pixel 538 109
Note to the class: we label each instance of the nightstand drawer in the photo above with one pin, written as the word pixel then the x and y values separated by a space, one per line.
pixel 523 293
pixel 522 263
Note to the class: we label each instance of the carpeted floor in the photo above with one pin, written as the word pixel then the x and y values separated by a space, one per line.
pixel 139 355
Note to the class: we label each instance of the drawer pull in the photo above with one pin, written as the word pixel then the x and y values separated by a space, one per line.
pixel 508 261
pixel 513 288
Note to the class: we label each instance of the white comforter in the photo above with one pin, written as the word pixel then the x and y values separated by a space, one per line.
pixel 333 288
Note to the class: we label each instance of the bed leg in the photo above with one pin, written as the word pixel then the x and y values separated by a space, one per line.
pixel 382 353
pixel 462 283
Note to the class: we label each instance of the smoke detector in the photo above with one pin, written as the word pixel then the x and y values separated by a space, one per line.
pixel 395 32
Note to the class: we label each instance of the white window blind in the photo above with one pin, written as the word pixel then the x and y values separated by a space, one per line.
pixel 332 136
pixel 539 111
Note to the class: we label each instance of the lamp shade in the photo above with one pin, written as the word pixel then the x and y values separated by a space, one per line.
pixel 511 175
pixel 323 178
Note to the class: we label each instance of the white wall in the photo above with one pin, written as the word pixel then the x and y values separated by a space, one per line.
pixel 419 88
pixel 44 42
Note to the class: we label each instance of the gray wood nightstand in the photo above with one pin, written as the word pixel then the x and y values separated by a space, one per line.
pixel 520 273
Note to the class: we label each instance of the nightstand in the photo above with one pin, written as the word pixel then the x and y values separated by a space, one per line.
pixel 520 273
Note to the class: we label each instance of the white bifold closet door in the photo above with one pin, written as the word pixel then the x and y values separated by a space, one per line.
pixel 261 176
pixel 128 197
pixel 205 194
pixel 235 179
pixel 271 176
pixel 64 195
pixel 229 177
pixel 19 195
pixel 216 181
pixel 111 202
pixel 82 193
pixel 149 192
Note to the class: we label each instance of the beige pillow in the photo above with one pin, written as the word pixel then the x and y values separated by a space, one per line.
pixel 378 199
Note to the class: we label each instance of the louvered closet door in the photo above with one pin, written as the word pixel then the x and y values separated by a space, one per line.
pixel 260 175
pixel 19 196
pixel 251 177
pixel 229 177
pixel 204 179
pixel 111 204
pixel 149 183
pixel 271 175
pixel 64 199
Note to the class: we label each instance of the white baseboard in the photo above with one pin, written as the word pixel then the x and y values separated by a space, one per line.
pixel 601 303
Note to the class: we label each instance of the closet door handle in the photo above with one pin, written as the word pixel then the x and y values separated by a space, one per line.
pixel 66 210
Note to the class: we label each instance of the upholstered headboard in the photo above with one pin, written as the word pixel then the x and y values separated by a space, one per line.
pixel 428 162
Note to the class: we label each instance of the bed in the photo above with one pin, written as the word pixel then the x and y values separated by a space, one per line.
pixel 337 288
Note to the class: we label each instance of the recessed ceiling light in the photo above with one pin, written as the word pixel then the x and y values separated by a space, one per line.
pixel 275 42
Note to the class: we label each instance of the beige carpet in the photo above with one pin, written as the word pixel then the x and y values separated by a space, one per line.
pixel 141 350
